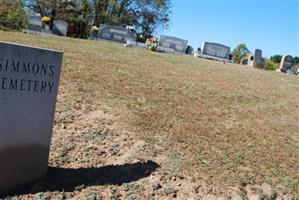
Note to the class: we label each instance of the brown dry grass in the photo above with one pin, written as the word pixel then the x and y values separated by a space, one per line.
pixel 230 124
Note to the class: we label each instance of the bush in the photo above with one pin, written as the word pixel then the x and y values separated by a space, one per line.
pixel 12 15
pixel 270 65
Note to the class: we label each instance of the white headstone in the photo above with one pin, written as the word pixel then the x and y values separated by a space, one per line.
pixel 286 63
pixel 28 88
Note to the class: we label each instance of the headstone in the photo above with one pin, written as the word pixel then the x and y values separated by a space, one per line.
pixel 28 88
pixel 258 56
pixel 60 27
pixel 116 34
pixel 169 42
pixel 286 63
pixel 35 23
pixel 250 60
pixel 210 49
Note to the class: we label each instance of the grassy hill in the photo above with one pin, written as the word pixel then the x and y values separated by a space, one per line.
pixel 211 127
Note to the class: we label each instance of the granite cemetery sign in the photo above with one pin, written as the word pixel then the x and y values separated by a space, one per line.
pixel 286 63
pixel 215 50
pixel 116 34
pixel 28 89
pixel 174 44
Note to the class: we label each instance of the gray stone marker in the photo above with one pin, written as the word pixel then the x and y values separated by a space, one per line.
pixel 177 45
pixel 258 56
pixel 286 63
pixel 35 23
pixel 60 27
pixel 254 60
pixel 28 88
pixel 116 34
pixel 215 50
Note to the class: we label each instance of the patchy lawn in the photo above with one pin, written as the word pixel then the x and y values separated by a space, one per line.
pixel 204 128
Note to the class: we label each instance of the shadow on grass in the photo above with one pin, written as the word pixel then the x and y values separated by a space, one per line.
pixel 64 179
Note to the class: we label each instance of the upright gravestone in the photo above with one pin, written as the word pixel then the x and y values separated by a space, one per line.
pixel 116 34
pixel 173 43
pixel 35 23
pixel 215 50
pixel 258 56
pixel 28 88
pixel 286 63
pixel 60 27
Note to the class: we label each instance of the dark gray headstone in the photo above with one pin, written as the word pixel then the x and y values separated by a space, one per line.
pixel 258 56
pixel 28 88
pixel 60 27
pixel 35 23
pixel 215 50
pixel 116 34
pixel 177 44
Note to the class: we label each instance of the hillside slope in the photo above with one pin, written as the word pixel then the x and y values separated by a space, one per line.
pixel 203 129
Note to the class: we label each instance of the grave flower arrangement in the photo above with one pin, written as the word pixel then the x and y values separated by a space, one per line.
pixel 94 28
pixel 46 22
pixel 152 43
pixel 46 19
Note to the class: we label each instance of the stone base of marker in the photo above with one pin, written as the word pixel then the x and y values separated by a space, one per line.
pixel 17 169
pixel 28 89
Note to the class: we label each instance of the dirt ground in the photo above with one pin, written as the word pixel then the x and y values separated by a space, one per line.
pixel 93 156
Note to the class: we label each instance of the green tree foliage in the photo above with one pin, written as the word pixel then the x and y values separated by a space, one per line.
pixel 271 65
pixel 239 52
pixel 296 60
pixel 147 16
pixel 276 58
pixel 12 15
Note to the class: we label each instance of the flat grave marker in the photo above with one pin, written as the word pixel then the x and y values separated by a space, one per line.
pixel 29 80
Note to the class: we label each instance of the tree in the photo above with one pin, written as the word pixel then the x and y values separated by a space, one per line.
pixel 12 15
pixel 78 14
pixel 271 65
pixel 146 15
pixel 276 58
pixel 295 60
pixel 239 52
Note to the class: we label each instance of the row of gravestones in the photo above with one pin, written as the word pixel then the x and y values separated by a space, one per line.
pixel 168 44
pixel 36 25
pixel 255 59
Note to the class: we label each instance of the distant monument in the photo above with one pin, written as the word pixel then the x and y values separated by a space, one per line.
pixel 253 60
pixel 215 51
pixel 115 34
pixel 36 25
pixel 286 63
pixel 170 44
